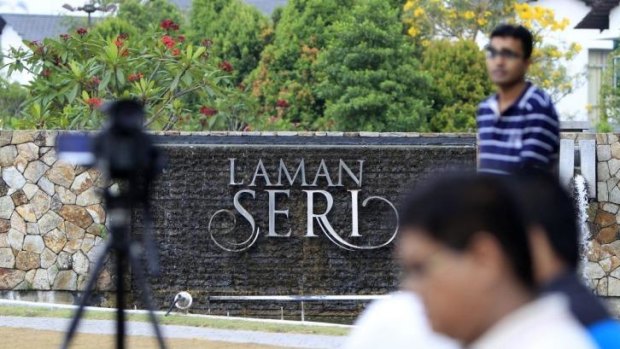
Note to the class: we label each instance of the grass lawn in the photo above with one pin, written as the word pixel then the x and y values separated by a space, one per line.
pixel 179 319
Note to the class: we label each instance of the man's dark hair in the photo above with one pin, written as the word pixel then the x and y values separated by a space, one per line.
pixel 545 203
pixel 452 210
pixel 518 32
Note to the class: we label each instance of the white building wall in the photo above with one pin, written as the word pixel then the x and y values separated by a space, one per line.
pixel 574 106
pixel 10 38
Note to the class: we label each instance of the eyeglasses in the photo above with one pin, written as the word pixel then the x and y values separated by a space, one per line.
pixel 507 54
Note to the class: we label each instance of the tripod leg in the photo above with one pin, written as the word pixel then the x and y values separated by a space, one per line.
pixel 146 293
pixel 121 254
pixel 86 295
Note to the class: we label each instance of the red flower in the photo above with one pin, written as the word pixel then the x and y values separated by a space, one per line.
pixel 94 102
pixel 226 66
pixel 207 43
pixel 282 103
pixel 37 47
pixel 168 24
pixel 82 31
pixel 168 41
pixel 176 52
pixel 65 36
pixel 124 52
pixel 95 81
pixel 181 38
pixel 207 111
pixel 123 36
pixel 119 42
pixel 135 77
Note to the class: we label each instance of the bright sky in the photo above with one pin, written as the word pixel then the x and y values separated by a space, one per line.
pixel 52 7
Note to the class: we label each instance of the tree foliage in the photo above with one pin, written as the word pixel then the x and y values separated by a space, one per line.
pixel 284 81
pixel 459 83
pixel 465 20
pixel 146 15
pixel 180 86
pixel 238 32
pixel 370 80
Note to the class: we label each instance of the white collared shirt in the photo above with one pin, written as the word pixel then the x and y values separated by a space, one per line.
pixel 396 322
pixel 545 323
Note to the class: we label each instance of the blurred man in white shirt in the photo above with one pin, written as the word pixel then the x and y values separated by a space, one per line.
pixel 464 242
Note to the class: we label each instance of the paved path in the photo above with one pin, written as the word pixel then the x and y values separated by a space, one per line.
pixel 172 331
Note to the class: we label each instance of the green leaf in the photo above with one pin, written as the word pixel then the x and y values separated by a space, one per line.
pixel 199 52
pixel 187 80
pixel 105 81
pixel 75 69
pixel 175 82
pixel 73 94
pixel 120 77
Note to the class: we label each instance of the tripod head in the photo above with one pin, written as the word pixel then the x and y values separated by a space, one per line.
pixel 124 152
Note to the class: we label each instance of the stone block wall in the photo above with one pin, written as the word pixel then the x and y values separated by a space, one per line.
pixel 603 257
pixel 51 218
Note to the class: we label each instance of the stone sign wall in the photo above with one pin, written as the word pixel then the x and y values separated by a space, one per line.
pixel 278 191
pixel 308 208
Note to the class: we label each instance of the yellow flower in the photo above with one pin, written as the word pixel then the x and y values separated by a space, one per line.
pixel 425 43
pixel 418 12
pixel 576 47
pixel 408 6
pixel 413 31
pixel 482 21
pixel 525 15
pixel 469 15
pixel 565 23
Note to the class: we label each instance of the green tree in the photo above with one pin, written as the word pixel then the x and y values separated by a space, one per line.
pixel 459 83
pixel 147 15
pixel 181 87
pixel 238 32
pixel 111 27
pixel 609 95
pixel 370 79
pixel 12 99
pixel 284 81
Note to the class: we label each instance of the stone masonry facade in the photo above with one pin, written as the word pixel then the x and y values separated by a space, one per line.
pixel 603 265
pixel 51 217
pixel 52 222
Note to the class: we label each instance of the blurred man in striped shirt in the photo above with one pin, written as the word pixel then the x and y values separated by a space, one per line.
pixel 518 127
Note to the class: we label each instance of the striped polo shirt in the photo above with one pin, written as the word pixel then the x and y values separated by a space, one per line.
pixel 524 135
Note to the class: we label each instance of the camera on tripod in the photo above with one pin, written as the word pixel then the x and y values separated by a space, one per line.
pixel 126 155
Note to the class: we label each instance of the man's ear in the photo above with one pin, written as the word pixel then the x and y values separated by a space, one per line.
pixel 487 253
